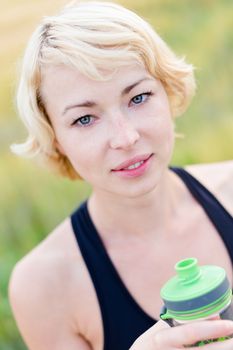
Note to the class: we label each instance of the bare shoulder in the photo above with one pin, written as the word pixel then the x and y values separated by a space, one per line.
pixel 48 262
pixel 218 178
pixel 40 292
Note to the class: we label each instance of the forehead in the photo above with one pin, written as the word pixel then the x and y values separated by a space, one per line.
pixel 63 87
pixel 63 77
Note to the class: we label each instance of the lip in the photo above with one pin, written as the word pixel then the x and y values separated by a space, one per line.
pixel 132 161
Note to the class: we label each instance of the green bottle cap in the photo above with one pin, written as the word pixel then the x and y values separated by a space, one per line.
pixel 196 291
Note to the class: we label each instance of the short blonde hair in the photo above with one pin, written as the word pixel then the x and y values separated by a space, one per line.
pixel 91 36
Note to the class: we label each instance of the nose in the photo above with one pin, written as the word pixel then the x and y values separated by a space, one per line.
pixel 124 134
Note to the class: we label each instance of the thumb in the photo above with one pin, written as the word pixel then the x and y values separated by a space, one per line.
pixel 157 327
pixel 146 340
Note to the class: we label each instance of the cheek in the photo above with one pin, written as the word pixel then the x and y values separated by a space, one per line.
pixel 161 126
pixel 81 152
pixel 162 132
pixel 170 139
pixel 83 162
pixel 160 119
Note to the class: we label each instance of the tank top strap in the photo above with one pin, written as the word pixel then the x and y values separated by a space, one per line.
pixel 123 319
pixel 219 216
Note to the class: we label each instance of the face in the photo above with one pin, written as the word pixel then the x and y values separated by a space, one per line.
pixel 118 134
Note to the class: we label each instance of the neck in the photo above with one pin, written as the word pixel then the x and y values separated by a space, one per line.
pixel 140 216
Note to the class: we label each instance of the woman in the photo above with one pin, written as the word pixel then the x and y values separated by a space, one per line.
pixel 99 93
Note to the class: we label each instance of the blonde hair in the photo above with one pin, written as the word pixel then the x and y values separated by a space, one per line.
pixel 91 36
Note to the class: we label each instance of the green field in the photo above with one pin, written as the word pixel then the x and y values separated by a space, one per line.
pixel 33 201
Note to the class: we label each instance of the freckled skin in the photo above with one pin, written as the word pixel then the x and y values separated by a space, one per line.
pixel 121 128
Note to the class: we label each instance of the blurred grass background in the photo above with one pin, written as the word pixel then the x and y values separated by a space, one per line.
pixel 32 200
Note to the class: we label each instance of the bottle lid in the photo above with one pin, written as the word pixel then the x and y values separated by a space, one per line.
pixel 195 289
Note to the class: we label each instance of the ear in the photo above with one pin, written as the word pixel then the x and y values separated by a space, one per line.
pixel 59 148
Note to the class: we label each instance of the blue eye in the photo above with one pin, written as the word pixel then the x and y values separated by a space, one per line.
pixel 141 98
pixel 83 121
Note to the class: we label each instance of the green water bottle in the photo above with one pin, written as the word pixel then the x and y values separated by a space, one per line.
pixel 197 293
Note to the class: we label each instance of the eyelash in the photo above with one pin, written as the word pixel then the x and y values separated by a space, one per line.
pixel 75 121
pixel 148 94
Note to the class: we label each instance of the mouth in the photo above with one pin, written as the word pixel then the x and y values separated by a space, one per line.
pixel 133 163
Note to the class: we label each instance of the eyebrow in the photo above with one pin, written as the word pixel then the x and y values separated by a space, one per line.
pixel 94 104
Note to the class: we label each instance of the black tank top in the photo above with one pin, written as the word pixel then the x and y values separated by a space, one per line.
pixel 123 319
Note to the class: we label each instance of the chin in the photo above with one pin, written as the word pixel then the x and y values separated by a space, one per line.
pixel 140 190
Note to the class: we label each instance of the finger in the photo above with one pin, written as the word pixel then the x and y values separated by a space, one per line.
pixel 193 332
pixel 160 325
pixel 146 340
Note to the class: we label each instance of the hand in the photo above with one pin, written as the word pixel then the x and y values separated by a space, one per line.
pixel 163 337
